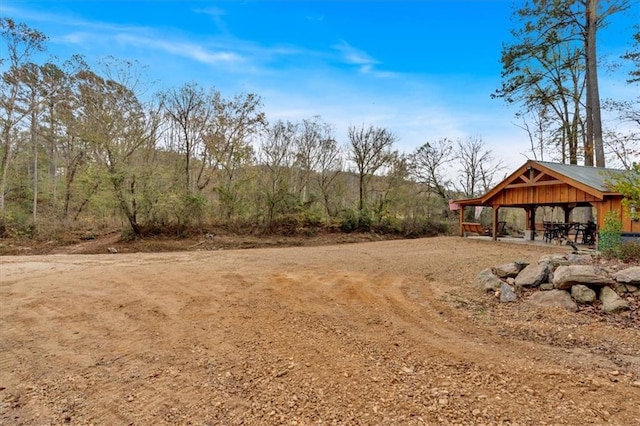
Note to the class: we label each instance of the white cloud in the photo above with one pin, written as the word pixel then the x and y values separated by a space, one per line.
pixel 188 50
pixel 354 56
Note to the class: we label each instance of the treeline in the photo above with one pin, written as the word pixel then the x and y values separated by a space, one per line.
pixel 87 148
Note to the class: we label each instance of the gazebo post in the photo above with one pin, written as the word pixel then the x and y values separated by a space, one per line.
pixel 531 220
pixel 494 233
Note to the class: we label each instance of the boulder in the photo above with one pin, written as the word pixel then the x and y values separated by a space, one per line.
pixel 579 259
pixel 628 276
pixel 546 286
pixel 486 281
pixel 554 299
pixel 507 270
pixel 611 302
pixel 507 294
pixel 533 275
pixel 555 259
pixel 566 276
pixel 583 294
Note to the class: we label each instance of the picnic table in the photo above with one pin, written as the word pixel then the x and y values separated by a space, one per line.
pixel 583 231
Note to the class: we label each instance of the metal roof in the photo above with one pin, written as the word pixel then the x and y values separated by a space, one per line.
pixel 594 177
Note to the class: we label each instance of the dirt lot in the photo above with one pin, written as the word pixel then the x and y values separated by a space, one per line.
pixel 387 332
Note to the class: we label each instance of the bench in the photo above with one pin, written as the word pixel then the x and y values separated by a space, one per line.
pixel 473 228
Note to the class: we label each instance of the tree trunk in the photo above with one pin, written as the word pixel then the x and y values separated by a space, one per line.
pixel 34 146
pixel 593 92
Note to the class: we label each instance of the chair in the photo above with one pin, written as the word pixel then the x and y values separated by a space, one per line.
pixel 589 234
pixel 551 232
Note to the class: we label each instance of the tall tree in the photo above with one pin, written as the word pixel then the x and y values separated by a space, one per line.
pixel 20 44
pixel 122 135
pixel 190 110
pixel 562 31
pixel 277 155
pixel 229 143
pixel 371 150
pixel 329 163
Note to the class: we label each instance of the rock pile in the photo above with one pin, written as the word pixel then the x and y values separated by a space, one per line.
pixel 565 281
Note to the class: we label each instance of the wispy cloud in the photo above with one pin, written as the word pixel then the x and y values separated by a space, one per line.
pixel 192 51
pixel 354 56
pixel 366 63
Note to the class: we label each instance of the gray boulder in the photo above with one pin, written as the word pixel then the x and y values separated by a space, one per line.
pixel 554 299
pixel 583 294
pixel 579 259
pixel 611 302
pixel 566 276
pixel 486 281
pixel 507 270
pixel 555 259
pixel 533 275
pixel 628 276
pixel 507 294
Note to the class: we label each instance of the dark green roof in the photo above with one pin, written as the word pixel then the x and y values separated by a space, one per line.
pixel 594 177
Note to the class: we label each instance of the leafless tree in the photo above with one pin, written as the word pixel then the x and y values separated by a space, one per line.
pixel 371 150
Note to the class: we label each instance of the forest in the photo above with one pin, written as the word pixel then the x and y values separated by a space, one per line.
pixel 91 147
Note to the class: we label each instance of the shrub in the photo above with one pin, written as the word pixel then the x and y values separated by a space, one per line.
pixel 353 221
pixel 610 236
pixel 629 251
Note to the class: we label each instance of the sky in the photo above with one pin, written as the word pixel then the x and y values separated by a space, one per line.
pixel 423 69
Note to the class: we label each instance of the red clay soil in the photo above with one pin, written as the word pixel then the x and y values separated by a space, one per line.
pixel 373 333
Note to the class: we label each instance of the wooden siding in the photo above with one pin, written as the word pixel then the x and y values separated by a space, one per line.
pixel 615 204
pixel 544 194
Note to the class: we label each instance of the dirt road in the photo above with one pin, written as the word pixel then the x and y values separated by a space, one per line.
pixel 375 333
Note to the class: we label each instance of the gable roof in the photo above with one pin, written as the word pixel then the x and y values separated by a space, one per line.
pixel 591 180
pixel 594 177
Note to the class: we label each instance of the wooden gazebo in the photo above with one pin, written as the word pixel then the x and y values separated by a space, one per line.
pixel 540 184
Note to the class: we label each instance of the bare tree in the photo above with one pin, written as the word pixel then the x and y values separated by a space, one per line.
pixel 478 168
pixel 371 150
pixel 309 144
pixel 277 155
pixel 427 166
pixel 190 111
pixel 329 163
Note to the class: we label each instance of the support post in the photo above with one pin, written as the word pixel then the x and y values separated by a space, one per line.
pixel 495 222
pixel 532 223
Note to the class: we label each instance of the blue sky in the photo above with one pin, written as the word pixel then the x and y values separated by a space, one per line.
pixel 423 69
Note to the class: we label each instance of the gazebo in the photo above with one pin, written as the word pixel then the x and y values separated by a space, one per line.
pixel 540 184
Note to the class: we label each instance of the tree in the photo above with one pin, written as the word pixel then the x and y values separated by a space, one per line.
pixel 122 136
pixel 329 164
pixel 277 155
pixel 477 167
pixel 554 38
pixel 427 165
pixel 21 42
pixel 634 56
pixel 190 111
pixel 228 141
pixel 622 143
pixel 371 150
pixel 628 184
